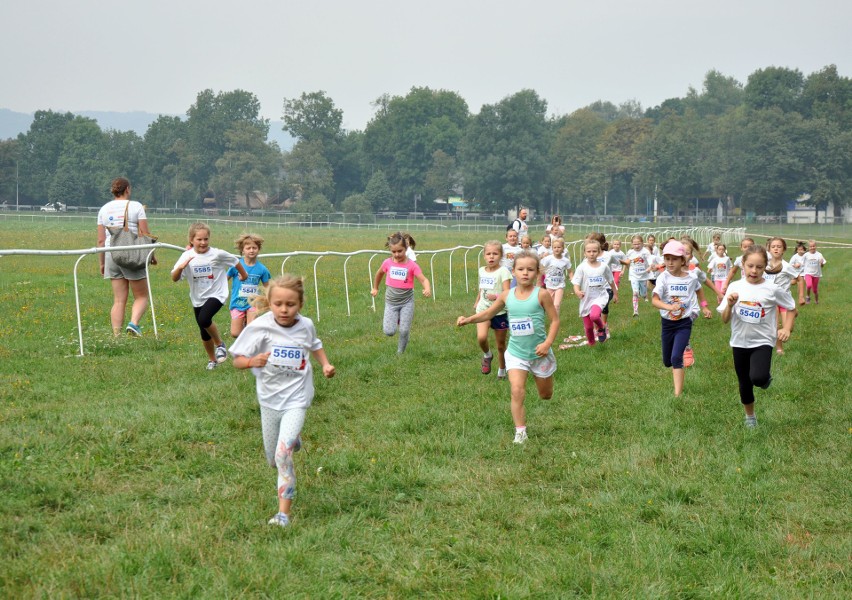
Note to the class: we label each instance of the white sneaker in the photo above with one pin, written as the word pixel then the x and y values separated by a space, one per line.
pixel 212 365
pixel 280 519
pixel 520 437
pixel 221 353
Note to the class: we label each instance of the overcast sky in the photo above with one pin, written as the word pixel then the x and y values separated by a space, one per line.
pixel 156 55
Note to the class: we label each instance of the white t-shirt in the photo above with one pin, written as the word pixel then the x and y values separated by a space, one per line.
pixel 207 274
pixel 593 281
pixel 509 253
pixel 640 264
pixel 813 263
pixel 754 321
pixel 555 271
pixel 491 283
pixel 287 379
pixel 670 288
pixel 111 214
pixel 798 263
pixel 782 278
pixel 521 227
pixel 616 256
pixel 719 266
pixel 555 232
pixel 410 254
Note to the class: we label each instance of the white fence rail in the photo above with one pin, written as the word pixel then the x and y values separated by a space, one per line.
pixel 574 249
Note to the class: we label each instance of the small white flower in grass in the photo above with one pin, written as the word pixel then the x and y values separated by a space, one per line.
pixel 319 470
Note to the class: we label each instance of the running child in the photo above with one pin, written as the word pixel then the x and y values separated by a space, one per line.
pixel 242 312
pixel 812 271
pixel 745 244
pixel 510 248
pixel 779 272
pixel 556 267
pixel 719 266
pixel 206 270
pixel 494 279
pixel 711 247
pixel 526 242
pixel 797 262
pixel 617 262
pixel 656 266
pixel 676 297
pixel 690 246
pixel 276 347
pixel 529 349
pixel 605 258
pixel 590 286
pixel 409 250
pixel 544 246
pixel 399 292
pixel 750 306
pixel 639 261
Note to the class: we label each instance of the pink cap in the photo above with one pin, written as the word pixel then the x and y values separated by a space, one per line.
pixel 673 248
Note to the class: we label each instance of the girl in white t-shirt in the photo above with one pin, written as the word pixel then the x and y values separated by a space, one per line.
pixel 617 261
pixel 277 347
pixel 206 270
pixel 797 261
pixel 718 266
pixel 557 269
pixel 510 249
pixel 591 282
pixel 750 306
pixel 544 246
pixel 639 261
pixel 812 271
pixel 779 272
pixel 676 295
pixel 493 280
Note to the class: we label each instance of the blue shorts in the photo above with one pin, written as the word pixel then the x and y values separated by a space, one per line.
pixel 500 322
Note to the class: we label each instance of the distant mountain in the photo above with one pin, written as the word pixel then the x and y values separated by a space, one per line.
pixel 12 123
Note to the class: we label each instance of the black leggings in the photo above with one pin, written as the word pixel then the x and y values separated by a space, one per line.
pixel 204 316
pixel 752 366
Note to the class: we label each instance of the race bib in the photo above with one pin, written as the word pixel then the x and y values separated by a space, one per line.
pixel 202 272
pixel 487 282
pixel 769 277
pixel 678 289
pixel 289 358
pixel 596 281
pixel 750 312
pixel 398 273
pixel 248 289
pixel 555 280
pixel 521 327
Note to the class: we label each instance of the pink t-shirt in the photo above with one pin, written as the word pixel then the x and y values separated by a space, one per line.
pixel 400 275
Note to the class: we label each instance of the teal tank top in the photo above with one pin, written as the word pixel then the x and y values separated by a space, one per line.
pixel 526 324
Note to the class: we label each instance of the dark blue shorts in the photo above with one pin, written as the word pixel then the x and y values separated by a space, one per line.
pixel 500 322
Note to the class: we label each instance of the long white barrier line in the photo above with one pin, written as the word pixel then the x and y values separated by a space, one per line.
pixel 86 252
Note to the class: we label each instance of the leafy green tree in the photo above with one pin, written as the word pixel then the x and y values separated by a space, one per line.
pixel 827 95
pixel 504 152
pixel 316 205
pixel 443 177
pixel 313 118
pixel 406 131
pixel 307 172
pixel 9 163
pixel 163 149
pixel 357 204
pixel 719 95
pixel 39 155
pixel 249 163
pixel 575 160
pixel 379 193
pixel 208 120
pixel 775 87
pixel 83 171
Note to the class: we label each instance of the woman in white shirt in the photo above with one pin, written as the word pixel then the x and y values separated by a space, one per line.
pixel 123 280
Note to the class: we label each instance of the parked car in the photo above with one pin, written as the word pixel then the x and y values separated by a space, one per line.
pixel 53 207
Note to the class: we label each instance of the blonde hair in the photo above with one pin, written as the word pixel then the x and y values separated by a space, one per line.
pixel 527 239
pixel 528 253
pixel 494 243
pixel 248 237
pixel 196 227
pixel 286 281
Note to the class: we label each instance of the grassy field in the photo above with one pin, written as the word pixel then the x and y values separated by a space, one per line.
pixel 133 472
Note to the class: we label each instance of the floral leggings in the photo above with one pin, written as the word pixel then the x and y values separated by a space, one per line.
pixel 281 429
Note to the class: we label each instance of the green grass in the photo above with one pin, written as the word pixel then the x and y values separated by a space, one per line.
pixel 134 472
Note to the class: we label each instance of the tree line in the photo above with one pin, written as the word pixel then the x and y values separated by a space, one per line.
pixel 753 146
